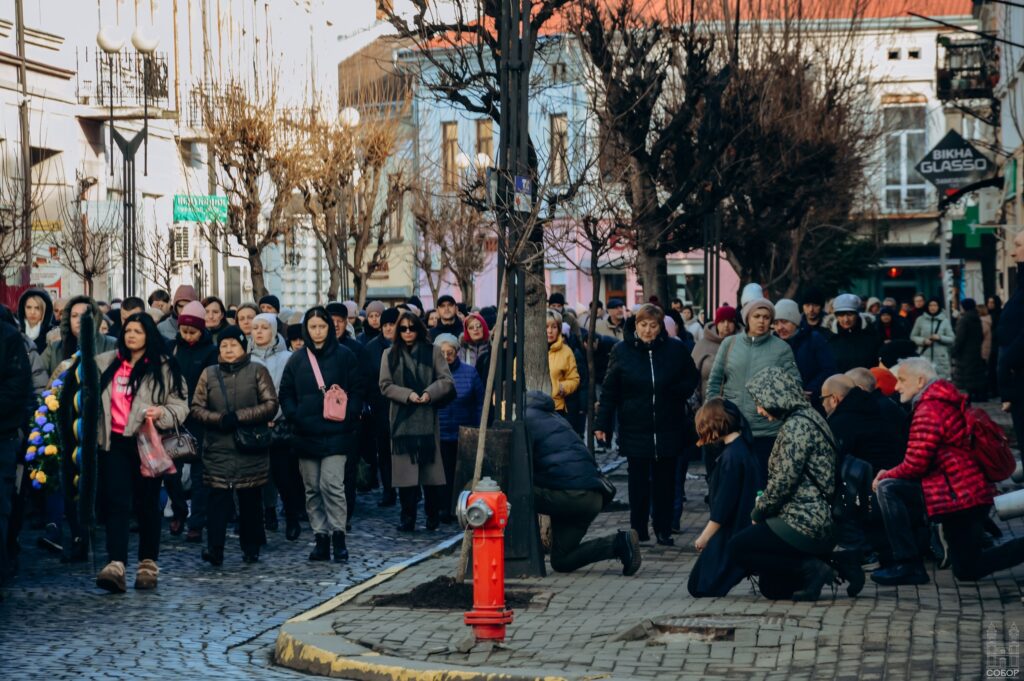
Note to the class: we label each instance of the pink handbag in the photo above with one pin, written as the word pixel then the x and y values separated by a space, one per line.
pixel 335 399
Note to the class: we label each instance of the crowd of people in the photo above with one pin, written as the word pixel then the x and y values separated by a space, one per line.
pixel 836 434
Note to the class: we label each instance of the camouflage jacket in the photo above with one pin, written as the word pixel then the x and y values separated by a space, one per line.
pixel 796 503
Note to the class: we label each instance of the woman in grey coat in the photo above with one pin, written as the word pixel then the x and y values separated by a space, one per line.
pixel 414 375
pixel 934 337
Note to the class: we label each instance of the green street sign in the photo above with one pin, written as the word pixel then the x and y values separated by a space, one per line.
pixel 188 208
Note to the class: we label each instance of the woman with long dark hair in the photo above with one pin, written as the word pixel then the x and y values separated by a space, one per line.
pixel 138 381
pixel 415 377
pixel 216 316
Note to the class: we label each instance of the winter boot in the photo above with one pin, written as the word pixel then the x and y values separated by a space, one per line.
pixel 847 565
pixel 111 577
pixel 340 550
pixel 214 555
pixel 292 529
pixel 627 550
pixel 145 575
pixel 322 550
pixel 814 575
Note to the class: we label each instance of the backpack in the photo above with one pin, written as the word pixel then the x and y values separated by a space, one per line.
pixel 989 445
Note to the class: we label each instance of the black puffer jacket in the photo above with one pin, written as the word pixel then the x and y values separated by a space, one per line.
pixel 303 403
pixel 560 459
pixel 863 431
pixel 856 347
pixel 15 381
pixel 193 358
pixel 648 386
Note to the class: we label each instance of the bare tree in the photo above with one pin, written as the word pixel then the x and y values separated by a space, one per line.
pixel 86 235
pixel 429 235
pixel 257 160
pixel 156 253
pixel 15 213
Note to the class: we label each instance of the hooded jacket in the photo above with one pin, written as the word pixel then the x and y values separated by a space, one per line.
pixel 44 326
pixel 560 459
pixel 16 392
pixel 303 403
pixel 169 326
pixel 193 358
pixel 862 430
pixel 564 374
pixel 796 504
pixel 856 347
pixel 814 359
pixel 60 350
pixel 969 370
pixel 739 359
pixel 1010 340
pixel 938 453
pixel 647 386
pixel 251 394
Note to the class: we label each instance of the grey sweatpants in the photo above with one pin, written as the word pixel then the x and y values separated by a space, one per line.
pixel 324 480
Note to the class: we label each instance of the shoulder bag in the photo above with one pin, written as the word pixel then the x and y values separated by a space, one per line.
pixel 253 439
pixel 335 399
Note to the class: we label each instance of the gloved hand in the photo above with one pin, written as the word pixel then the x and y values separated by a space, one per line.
pixel 229 421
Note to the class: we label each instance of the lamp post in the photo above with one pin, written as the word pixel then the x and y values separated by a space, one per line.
pixel 348 119
pixel 145 46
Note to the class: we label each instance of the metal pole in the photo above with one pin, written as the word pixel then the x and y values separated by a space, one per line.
pixel 26 146
pixel 943 262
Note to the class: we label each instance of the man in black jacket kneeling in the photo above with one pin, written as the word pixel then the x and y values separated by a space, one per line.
pixel 568 488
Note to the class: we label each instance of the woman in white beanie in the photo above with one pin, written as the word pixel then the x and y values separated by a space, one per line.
pixel 739 358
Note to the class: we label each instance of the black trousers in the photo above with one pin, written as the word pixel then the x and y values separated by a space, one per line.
pixel 124 488
pixel 652 484
pixel 382 438
pixel 221 502
pixel 449 457
pixel 759 551
pixel 176 493
pixel 964 532
pixel 284 471
pixel 409 497
pixel 572 512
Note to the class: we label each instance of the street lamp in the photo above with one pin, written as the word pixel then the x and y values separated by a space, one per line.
pixel 110 45
pixel 462 161
pixel 349 117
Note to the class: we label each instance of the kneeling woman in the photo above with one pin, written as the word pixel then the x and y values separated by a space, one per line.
pixel 792 533
pixel 235 394
pixel 138 381
pixel 732 486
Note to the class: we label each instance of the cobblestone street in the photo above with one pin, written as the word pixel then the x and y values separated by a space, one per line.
pixel 200 622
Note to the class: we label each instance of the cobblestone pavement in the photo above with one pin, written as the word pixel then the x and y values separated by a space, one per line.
pixel 200 622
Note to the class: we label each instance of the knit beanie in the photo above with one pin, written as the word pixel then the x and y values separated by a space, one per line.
pixel 884 379
pixel 726 313
pixel 751 292
pixel 185 292
pixel 272 301
pixel 443 338
pixel 390 316
pixel 755 304
pixel 267 317
pixel 352 307
pixel 375 306
pixel 788 310
pixel 193 315
pixel 294 332
pixel 233 333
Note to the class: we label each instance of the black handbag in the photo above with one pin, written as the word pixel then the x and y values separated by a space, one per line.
pixel 253 439
pixel 180 444
pixel 282 432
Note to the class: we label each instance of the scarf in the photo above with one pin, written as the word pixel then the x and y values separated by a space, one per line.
pixel 33 331
pixel 412 433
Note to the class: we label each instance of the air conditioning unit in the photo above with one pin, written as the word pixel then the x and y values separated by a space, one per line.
pixel 181 243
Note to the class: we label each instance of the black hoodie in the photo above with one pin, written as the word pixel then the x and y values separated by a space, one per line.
pixel 45 325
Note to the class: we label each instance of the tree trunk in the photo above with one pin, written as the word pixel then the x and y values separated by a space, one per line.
pixel 595 291
pixel 360 283
pixel 536 348
pixel 467 289
pixel 652 267
pixel 259 287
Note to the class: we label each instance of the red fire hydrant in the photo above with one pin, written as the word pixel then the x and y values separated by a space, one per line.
pixel 485 509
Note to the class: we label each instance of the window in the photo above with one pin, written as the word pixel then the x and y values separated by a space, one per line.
pixel 914 53
pixel 905 189
pixel 894 53
pixel 559 158
pixel 559 72
pixel 449 150
pixel 485 137
pixel 180 246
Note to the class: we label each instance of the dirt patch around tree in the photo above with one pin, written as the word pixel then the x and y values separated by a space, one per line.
pixel 444 593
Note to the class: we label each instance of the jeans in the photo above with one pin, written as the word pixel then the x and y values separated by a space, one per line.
pixel 651 478
pixel 325 493
pixel 123 487
pixel 759 551
pixel 8 468
pixel 284 471
pixel 449 457
pixel 901 503
pixel 200 495
pixel 964 531
pixel 250 517
pixel 572 512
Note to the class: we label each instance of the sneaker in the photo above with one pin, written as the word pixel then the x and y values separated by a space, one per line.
pixel 145 575
pixel 627 549
pixel 111 577
pixel 901 574
pixel 939 547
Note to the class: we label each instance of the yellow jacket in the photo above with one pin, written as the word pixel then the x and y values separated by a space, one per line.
pixel 564 374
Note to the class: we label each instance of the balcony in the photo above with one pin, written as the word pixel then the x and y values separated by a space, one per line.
pixel 123 80
pixel 967 68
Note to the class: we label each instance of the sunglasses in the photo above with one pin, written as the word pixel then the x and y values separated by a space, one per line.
pixel 409 329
